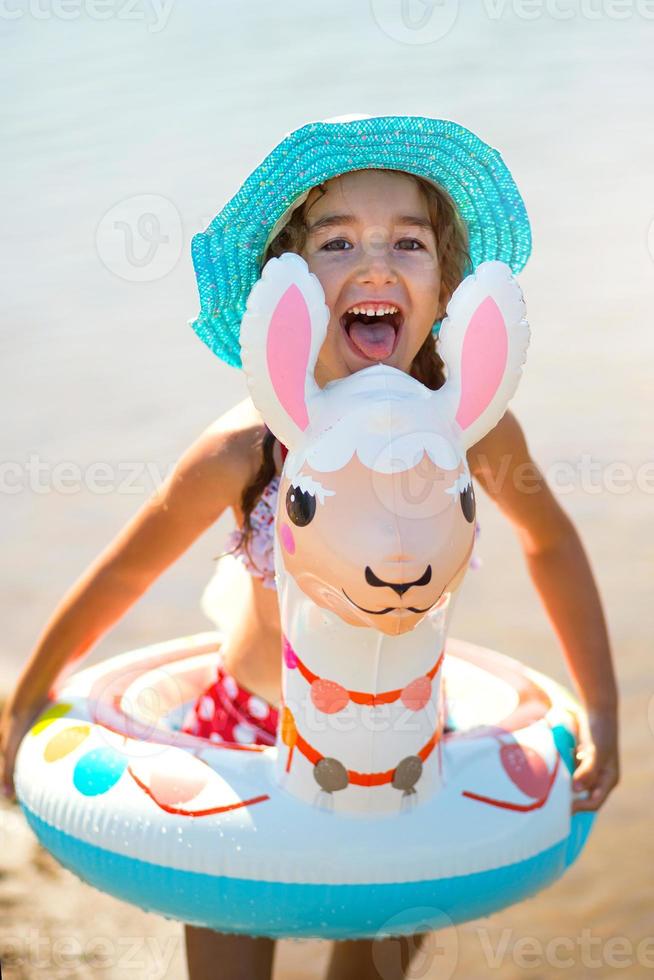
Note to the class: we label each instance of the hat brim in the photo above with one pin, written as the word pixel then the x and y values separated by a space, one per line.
pixel 227 256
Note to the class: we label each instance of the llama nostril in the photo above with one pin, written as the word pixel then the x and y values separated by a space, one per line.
pixel 398 587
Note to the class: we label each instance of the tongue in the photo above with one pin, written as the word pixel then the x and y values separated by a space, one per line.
pixel 374 340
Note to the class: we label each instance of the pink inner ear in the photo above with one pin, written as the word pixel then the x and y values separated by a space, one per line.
pixel 287 353
pixel 483 361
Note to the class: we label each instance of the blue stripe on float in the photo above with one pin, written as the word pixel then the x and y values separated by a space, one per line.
pixel 328 911
pixel 579 831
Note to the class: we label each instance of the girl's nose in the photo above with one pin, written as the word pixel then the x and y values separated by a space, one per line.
pixel 376 265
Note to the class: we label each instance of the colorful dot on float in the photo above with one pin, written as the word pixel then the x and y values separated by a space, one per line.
pixel 290 656
pixel 174 790
pixel 179 782
pixel 328 696
pixel 65 742
pixel 416 695
pixel 98 770
pixel 48 716
pixel 289 731
pixel 565 744
pixel 526 768
pixel 289 734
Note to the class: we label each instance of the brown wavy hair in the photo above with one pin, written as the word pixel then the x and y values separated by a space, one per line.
pixel 452 246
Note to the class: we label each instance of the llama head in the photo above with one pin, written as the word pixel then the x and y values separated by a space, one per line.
pixel 376 509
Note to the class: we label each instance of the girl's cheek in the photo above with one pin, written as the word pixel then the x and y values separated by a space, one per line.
pixel 287 539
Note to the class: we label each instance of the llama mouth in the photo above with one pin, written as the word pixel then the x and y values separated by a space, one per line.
pixel 389 609
pixel 373 335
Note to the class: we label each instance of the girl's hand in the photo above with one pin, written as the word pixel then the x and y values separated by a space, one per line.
pixel 16 721
pixel 598 769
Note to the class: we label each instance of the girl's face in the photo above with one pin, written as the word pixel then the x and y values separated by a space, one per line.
pixel 372 246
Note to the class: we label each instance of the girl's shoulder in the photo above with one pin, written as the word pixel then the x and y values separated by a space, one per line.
pixel 225 458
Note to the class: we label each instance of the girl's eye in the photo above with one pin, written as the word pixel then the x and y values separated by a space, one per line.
pixel 413 244
pixel 300 506
pixel 336 243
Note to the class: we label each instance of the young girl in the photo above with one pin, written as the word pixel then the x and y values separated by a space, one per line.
pixel 389 213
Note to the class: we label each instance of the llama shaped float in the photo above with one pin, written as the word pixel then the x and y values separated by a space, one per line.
pixel 366 818
pixel 374 531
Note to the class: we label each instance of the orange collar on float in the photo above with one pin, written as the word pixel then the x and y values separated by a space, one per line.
pixel 366 778
pixel 363 697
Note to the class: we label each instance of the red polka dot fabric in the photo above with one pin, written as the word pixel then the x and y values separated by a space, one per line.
pixel 228 712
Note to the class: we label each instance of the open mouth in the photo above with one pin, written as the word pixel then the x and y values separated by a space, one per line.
pixel 388 609
pixel 373 328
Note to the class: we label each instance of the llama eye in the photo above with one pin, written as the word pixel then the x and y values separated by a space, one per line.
pixel 467 499
pixel 300 506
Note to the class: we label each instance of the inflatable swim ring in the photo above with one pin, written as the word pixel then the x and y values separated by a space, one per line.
pixel 206 834
pixel 416 781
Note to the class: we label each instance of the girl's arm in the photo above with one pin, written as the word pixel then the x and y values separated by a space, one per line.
pixel 206 480
pixel 560 570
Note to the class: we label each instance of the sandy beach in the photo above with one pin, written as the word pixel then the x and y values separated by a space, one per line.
pixel 163 112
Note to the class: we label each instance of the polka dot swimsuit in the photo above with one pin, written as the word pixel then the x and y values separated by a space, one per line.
pixel 259 559
pixel 228 712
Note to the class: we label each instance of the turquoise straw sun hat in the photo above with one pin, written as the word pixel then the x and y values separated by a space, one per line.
pixel 228 255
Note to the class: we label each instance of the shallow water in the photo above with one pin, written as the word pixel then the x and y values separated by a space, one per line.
pixel 99 366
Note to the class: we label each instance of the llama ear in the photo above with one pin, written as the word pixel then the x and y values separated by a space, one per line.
pixel 282 331
pixel 483 342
